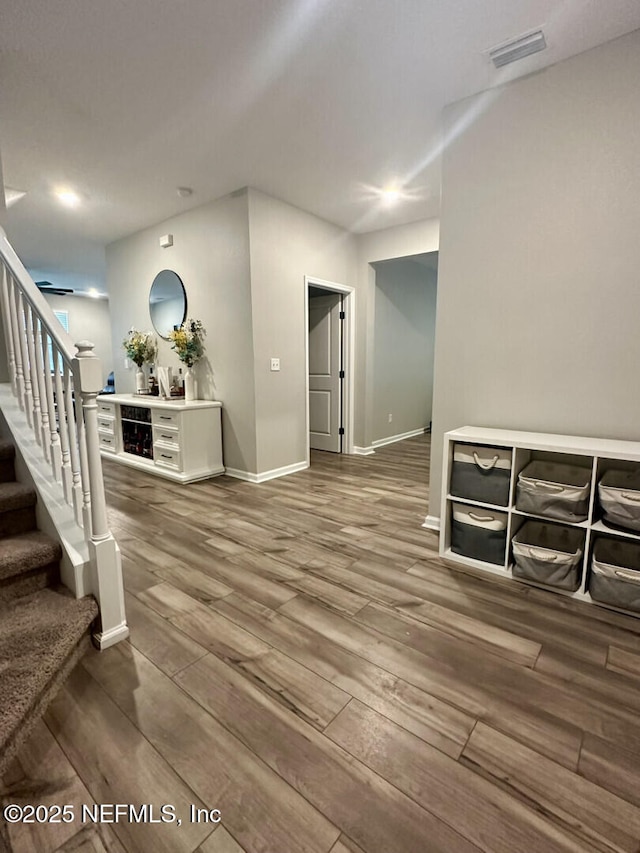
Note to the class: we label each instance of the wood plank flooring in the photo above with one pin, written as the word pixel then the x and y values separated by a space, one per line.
pixel 302 661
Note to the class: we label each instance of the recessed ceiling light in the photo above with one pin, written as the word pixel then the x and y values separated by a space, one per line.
pixel 11 196
pixel 93 292
pixel 67 197
pixel 391 194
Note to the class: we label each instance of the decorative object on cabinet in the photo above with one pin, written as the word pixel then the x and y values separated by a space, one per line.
pixel 188 343
pixel 167 303
pixel 141 348
pixel 584 557
pixel 175 439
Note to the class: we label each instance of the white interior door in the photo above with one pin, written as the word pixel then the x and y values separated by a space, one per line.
pixel 325 372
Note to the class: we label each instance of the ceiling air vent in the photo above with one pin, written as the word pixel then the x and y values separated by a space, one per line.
pixel 518 49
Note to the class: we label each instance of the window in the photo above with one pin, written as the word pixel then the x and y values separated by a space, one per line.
pixel 63 317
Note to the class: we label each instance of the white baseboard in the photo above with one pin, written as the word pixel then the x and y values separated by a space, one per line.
pixel 432 522
pixel 363 451
pixel 104 639
pixel 250 477
pixel 380 442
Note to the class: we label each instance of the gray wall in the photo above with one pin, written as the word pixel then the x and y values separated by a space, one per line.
pixel 287 244
pixel 89 320
pixel 210 253
pixel 404 332
pixel 538 288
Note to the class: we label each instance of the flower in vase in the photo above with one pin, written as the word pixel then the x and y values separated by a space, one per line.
pixel 140 347
pixel 188 341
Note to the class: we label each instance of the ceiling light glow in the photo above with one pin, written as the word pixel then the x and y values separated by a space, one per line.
pixel 67 197
pixel 93 292
pixel 391 194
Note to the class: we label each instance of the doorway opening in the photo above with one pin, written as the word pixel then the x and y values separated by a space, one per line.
pixel 330 335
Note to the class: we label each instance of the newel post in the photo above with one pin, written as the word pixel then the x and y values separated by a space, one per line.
pixel 106 568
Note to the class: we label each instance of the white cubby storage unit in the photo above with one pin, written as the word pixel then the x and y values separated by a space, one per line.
pixel 596 456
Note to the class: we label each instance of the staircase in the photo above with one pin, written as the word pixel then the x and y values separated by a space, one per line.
pixel 44 630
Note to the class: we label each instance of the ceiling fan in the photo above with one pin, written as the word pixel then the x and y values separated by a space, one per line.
pixel 47 287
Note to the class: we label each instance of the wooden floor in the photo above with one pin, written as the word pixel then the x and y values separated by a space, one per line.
pixel 301 661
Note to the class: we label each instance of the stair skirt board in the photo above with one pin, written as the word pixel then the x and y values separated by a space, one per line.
pixel 53 516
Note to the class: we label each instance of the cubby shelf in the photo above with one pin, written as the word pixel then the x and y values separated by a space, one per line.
pixel 597 455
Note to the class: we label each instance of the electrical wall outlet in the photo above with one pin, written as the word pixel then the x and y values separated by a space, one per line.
pixel 390 417
pixel 275 364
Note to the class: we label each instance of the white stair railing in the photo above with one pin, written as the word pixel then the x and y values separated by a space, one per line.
pixel 55 384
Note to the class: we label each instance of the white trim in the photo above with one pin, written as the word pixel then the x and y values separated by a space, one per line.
pixel 432 522
pixel 104 639
pixel 349 342
pixel 363 451
pixel 150 467
pixel 380 442
pixel 266 475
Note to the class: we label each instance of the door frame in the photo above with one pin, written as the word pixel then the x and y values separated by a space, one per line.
pixel 349 348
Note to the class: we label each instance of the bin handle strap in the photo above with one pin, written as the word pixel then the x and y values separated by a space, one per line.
pixel 481 517
pixel 486 466
pixel 628 576
pixel 551 487
pixel 629 497
pixel 547 558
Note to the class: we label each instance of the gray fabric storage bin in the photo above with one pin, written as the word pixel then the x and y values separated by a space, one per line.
pixel 619 494
pixel 615 573
pixel 554 490
pixel 481 473
pixel 549 554
pixel 479 533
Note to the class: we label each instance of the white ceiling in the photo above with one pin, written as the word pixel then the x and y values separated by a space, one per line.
pixel 317 102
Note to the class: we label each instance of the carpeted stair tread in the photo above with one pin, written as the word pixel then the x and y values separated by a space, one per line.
pixel 26 552
pixel 39 635
pixel 16 496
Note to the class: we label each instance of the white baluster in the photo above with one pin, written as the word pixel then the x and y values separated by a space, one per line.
pixel 45 430
pixel 63 427
pixel 16 340
pixel 54 438
pixel 8 329
pixel 84 469
pixel 33 371
pixel 26 367
pixel 76 482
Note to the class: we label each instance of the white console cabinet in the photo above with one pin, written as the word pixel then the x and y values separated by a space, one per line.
pixel 596 456
pixel 171 438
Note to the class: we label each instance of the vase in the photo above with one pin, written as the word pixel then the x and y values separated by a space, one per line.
pixel 189 385
pixel 141 382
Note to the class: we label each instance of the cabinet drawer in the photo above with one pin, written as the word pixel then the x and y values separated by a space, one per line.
pixel 167 458
pixel 106 424
pixel 106 409
pixel 166 435
pixel 107 442
pixel 164 417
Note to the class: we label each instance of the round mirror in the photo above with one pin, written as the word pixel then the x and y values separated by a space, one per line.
pixel 167 302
